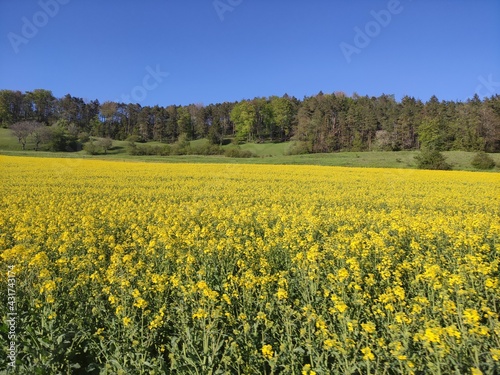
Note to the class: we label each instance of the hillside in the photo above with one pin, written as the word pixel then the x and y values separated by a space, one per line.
pixel 265 153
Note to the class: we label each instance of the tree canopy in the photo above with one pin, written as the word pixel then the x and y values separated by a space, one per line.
pixel 322 123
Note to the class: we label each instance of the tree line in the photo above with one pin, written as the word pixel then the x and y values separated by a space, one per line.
pixel 319 123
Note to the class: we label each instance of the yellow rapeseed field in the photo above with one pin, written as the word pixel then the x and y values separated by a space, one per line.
pixel 142 268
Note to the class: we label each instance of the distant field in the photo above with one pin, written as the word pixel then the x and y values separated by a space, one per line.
pixel 266 153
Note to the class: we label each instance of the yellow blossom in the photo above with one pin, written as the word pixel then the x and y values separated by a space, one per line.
pixel 349 261
pixel 126 321
pixel 495 354
pixel 200 314
pixel 282 294
pixel 267 351
pixel 367 354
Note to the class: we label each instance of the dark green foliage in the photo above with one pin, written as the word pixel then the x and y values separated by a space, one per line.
pixel 91 148
pixel 180 148
pixel 237 153
pixel 132 147
pixel 433 135
pixel 60 140
pixel 483 161
pixel 83 137
pixel 105 144
pixel 432 159
pixel 298 148
pixel 325 122
pixel 162 150
pixel 11 104
pixel 215 135
pixel 357 143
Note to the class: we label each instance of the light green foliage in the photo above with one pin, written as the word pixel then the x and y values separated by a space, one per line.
pixel 243 116
pixel 431 134
pixel 283 114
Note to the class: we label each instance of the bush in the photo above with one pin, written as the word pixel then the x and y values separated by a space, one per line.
pixel 176 149
pixel 237 153
pixel 179 149
pixel 142 150
pixel 60 140
pixel 105 144
pixel 483 161
pixel 132 149
pixel 73 145
pixel 91 148
pixel 432 159
pixel 246 154
pixel 298 148
pixel 182 146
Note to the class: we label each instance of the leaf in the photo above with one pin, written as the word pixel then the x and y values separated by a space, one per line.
pixel 299 350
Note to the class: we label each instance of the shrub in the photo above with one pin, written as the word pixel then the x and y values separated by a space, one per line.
pixel 163 150
pixel 142 150
pixel 432 159
pixel 176 149
pixel 91 148
pixel 105 144
pixel 182 146
pixel 60 140
pixel 179 149
pixel 237 153
pixel 298 148
pixel 132 149
pixel 483 161
pixel 246 154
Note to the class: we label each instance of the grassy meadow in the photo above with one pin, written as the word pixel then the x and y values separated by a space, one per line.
pixel 265 153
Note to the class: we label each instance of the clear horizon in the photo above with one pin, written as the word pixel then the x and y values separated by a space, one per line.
pixel 162 53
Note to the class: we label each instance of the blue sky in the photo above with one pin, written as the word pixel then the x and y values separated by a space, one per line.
pixel 204 51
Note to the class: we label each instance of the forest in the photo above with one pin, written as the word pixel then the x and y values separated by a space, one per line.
pixel 317 124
